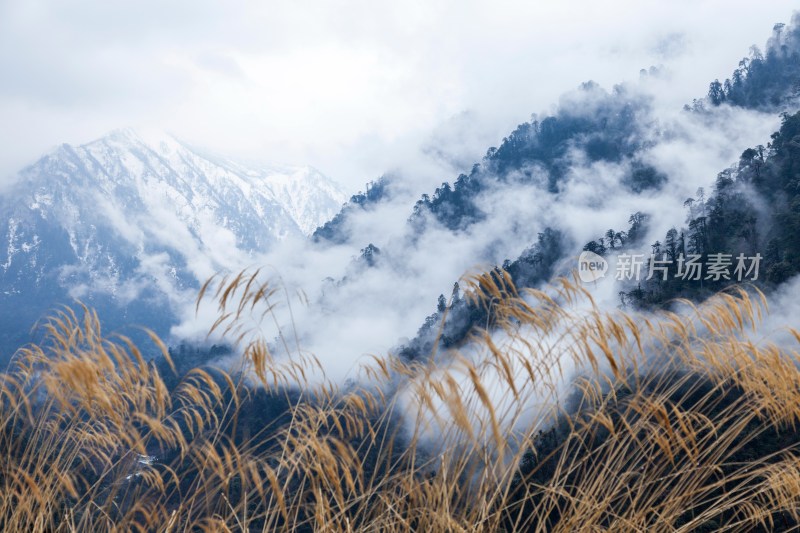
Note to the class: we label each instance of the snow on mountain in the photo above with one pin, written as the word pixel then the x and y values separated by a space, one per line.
pixel 134 223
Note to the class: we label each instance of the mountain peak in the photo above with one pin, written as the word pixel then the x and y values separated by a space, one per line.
pixel 291 199
pixel 136 218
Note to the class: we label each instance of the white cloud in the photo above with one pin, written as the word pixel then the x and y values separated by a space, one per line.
pixel 389 301
pixel 353 88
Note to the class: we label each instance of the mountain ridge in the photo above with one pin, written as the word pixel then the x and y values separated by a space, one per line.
pixel 122 218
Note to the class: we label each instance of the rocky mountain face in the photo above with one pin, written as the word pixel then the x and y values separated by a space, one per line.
pixel 133 226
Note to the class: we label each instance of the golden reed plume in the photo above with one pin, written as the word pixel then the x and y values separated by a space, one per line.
pixel 563 417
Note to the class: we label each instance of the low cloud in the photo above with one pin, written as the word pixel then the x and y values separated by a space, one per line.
pixel 354 310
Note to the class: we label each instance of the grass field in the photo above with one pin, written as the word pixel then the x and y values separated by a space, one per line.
pixel 565 418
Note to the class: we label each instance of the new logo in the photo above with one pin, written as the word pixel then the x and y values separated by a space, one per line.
pixel 591 267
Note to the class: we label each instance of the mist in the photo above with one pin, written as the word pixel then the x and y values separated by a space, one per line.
pixel 354 310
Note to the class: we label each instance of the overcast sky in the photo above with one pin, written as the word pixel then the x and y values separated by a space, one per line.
pixel 354 88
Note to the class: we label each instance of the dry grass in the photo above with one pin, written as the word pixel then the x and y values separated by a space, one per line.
pixel 565 418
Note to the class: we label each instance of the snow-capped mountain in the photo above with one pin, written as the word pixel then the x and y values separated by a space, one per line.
pixel 135 225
